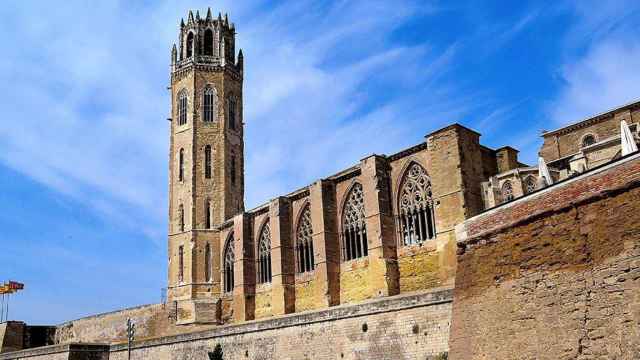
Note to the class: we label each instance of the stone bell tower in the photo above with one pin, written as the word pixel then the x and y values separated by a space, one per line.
pixel 206 160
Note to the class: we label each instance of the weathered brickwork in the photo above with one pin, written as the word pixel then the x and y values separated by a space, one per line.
pixel 555 275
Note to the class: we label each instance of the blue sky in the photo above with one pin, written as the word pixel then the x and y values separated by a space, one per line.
pixel 84 140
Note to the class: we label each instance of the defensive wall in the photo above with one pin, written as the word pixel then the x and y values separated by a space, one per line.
pixel 555 274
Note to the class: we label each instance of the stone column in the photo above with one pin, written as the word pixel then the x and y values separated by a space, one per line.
pixel 282 257
pixel 383 259
pixel 322 196
pixel 244 289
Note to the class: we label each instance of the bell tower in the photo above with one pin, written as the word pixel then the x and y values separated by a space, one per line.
pixel 206 158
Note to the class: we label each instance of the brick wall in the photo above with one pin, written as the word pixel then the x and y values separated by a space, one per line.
pixel 554 275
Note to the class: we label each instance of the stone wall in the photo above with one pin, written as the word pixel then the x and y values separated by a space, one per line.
pixel 403 327
pixel 553 275
pixel 62 352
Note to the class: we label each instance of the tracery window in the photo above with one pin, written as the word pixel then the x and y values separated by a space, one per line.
pixel 207 262
pixel 209 104
pixel 181 165
pixel 304 242
pixel 229 259
pixel 182 107
pixel 588 140
pixel 354 230
pixel 181 263
pixel 208 42
pixel 189 45
pixel 207 162
pixel 207 214
pixel 417 217
pixel 530 184
pixel 507 191
pixel 264 256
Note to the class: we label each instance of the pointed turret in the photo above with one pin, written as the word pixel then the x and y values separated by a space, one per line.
pixel 220 18
pixel 209 17
pixel 223 52
pixel 190 19
pixel 240 63
pixel 174 54
pixel 226 20
pixel 233 27
pixel 182 23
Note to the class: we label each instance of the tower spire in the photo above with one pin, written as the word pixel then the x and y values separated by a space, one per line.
pixel 209 17
pixel 190 19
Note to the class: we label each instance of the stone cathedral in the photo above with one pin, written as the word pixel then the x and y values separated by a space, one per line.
pixel 448 249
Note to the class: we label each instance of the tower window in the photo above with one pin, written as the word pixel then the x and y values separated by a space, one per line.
pixel 507 191
pixel 417 220
pixel 207 162
pixel 233 170
pixel 354 229
pixel 209 104
pixel 182 108
pixel 181 218
pixel 181 263
pixel 229 259
pixel 264 255
pixel 208 42
pixel 181 165
pixel 207 212
pixel 190 45
pixel 207 262
pixel 231 102
pixel 304 242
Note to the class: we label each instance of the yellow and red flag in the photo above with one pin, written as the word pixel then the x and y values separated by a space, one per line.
pixel 14 285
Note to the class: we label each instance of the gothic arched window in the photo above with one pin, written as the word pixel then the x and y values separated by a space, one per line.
pixel 231 104
pixel 417 218
pixel 354 230
pixel 182 108
pixel 233 170
pixel 207 162
pixel 207 214
pixel 588 140
pixel 507 191
pixel 190 45
pixel 208 42
pixel 181 263
pixel 304 242
pixel 229 259
pixel 181 165
pixel 264 255
pixel 181 218
pixel 529 184
pixel 209 104
pixel 207 262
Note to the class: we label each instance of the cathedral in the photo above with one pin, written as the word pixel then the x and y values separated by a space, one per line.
pixel 448 249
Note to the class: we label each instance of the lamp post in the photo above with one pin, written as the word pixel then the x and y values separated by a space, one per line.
pixel 131 331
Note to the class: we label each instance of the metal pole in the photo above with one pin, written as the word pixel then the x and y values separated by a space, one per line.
pixel 2 309
pixel 6 315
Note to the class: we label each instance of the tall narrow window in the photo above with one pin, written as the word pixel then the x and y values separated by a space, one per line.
pixel 181 218
pixel 190 45
pixel 207 162
pixel 417 220
pixel 304 242
pixel 229 259
pixel 264 256
pixel 207 262
pixel 209 104
pixel 181 263
pixel 507 191
pixel 182 107
pixel 354 230
pixel 207 214
pixel 208 42
pixel 530 184
pixel 231 102
pixel 181 165
pixel 233 170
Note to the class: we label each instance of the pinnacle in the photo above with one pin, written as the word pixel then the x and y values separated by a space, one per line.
pixel 209 17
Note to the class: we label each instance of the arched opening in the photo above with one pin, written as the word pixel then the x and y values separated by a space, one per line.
pixel 207 262
pixel 207 214
pixel 227 270
pixel 207 162
pixel 264 256
pixel 507 191
pixel 588 140
pixel 181 165
pixel 530 184
pixel 354 230
pixel 415 203
pixel 190 45
pixel 209 104
pixel 182 108
pixel 208 42
pixel 304 242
